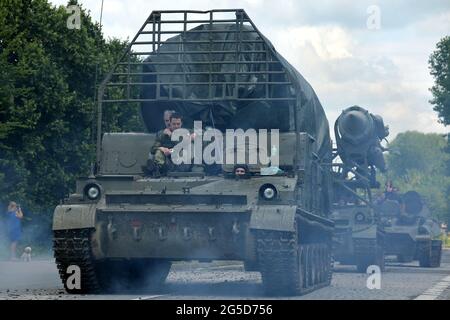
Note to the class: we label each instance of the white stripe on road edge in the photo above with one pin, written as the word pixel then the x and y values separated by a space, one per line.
pixel 434 292
pixel 149 297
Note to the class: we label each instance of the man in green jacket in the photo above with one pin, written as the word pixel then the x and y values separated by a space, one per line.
pixel 163 147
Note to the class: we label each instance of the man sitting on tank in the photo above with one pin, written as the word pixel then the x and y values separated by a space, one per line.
pixel 163 148
pixel 390 193
pixel 166 117
pixel 166 130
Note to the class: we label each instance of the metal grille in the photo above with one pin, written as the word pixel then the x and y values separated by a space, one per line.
pixel 230 35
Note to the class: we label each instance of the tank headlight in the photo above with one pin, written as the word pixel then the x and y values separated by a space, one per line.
pixel 360 217
pixel 268 192
pixel 92 191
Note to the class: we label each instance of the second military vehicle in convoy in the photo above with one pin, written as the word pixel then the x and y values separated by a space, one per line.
pixel 358 238
pixel 410 232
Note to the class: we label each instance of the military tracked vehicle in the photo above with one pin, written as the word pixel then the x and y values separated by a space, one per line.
pixel 410 232
pixel 121 226
pixel 358 238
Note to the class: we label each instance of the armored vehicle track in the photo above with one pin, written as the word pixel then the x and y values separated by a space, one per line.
pixel 292 268
pixel 74 248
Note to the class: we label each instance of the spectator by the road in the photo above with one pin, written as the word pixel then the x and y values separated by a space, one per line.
pixel 14 215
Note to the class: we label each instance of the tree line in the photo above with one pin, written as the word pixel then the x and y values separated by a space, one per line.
pixel 47 100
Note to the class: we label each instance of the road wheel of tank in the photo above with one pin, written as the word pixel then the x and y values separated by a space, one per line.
pixel 404 258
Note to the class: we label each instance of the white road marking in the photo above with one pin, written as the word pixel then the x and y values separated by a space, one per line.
pixel 434 292
pixel 149 297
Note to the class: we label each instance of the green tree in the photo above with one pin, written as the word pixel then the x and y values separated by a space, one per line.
pixel 417 161
pixel 440 69
pixel 47 107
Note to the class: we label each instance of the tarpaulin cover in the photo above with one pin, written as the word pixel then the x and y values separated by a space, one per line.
pixel 249 108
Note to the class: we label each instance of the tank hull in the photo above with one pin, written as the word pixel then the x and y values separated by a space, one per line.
pixel 186 219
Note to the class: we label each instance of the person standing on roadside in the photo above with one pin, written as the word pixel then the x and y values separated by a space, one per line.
pixel 14 217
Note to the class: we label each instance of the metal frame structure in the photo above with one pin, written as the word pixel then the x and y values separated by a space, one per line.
pixel 344 170
pixel 161 26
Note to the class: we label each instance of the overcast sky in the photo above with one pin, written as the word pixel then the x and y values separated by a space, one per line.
pixel 383 69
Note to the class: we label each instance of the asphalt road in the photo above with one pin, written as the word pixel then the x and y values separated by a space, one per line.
pixel 39 280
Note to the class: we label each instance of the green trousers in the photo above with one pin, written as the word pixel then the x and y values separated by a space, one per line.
pixel 161 160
